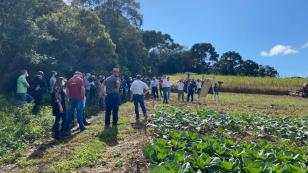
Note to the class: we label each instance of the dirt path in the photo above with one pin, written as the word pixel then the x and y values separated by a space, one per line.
pixel 96 150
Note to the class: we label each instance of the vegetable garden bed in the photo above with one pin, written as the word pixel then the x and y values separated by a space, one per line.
pixel 205 141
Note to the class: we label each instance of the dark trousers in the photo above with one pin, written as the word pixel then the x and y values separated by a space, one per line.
pixel 139 99
pixel 190 94
pixel 155 92
pixel 112 105
pixel 56 127
pixel 38 98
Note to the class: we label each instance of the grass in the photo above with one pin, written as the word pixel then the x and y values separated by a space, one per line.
pixel 245 84
pixel 269 104
pixel 19 128
pixel 83 151
pixel 106 150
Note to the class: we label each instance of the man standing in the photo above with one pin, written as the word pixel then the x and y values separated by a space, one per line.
pixel 167 84
pixel 22 88
pixel 199 87
pixel 180 88
pixel 138 89
pixel 52 81
pixel 39 88
pixel 76 94
pixel 154 84
pixel 112 84
pixel 191 88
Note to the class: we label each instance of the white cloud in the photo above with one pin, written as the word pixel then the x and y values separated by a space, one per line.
pixel 305 45
pixel 279 50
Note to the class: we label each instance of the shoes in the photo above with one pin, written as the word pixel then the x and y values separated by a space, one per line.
pixel 83 129
pixel 138 121
pixel 86 123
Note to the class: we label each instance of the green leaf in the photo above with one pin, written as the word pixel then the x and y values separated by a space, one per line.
pixel 226 165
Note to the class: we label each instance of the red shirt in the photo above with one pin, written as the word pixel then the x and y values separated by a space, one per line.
pixel 74 86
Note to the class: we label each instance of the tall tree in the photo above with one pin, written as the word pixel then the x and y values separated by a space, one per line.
pixel 248 68
pixel 267 71
pixel 204 57
pixel 78 41
pixel 229 63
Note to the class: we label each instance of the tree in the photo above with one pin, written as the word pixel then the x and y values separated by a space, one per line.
pixel 248 68
pixel 78 41
pixel 114 9
pixel 267 71
pixel 229 63
pixel 19 37
pixel 204 56
pixel 156 40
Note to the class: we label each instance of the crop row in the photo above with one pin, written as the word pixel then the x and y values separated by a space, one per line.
pixel 193 152
pixel 205 141
pixel 238 126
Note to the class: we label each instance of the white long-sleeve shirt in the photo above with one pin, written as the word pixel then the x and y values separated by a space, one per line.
pixel 138 87
pixel 167 83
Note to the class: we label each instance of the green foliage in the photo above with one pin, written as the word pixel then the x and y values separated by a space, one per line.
pixel 90 49
pixel 182 142
pixel 86 155
pixel 95 36
pixel 20 128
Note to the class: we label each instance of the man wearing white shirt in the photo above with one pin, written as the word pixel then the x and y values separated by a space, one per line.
pixel 167 84
pixel 138 89
pixel 180 87
pixel 154 84
pixel 199 87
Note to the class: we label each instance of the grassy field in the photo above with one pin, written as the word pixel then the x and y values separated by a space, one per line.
pixel 118 149
pixel 269 104
pixel 244 84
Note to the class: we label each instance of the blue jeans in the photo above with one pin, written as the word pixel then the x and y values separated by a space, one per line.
pixel 23 97
pixel 112 105
pixel 139 99
pixel 166 96
pixel 155 92
pixel 190 94
pixel 75 104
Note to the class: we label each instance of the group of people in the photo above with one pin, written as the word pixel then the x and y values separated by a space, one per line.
pixel 111 91
pixel 162 88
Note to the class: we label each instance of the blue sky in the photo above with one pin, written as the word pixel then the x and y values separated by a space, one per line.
pixel 270 32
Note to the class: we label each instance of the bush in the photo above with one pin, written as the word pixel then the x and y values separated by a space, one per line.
pixel 19 128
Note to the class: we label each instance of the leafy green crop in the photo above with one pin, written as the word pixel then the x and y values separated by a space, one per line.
pixel 203 141
pixel 19 127
pixel 236 125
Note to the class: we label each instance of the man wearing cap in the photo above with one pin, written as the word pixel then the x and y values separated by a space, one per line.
pixel 39 88
pixel 112 84
pixel 76 93
pixel 138 89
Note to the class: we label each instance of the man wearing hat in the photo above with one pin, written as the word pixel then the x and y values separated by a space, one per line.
pixel 112 84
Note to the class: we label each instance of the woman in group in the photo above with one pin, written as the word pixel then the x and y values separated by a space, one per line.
pixel 58 107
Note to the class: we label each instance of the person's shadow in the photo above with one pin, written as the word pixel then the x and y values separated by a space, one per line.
pixel 110 136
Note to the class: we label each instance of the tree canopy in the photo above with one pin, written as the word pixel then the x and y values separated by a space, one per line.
pixel 97 35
